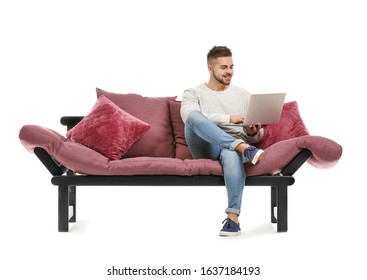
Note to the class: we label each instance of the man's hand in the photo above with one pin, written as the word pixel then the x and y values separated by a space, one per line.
pixel 237 119
pixel 251 130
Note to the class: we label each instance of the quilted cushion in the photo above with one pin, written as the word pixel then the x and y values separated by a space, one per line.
pixel 77 157
pixel 158 141
pixel 108 129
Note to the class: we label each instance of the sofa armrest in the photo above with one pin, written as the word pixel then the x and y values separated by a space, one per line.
pixel 297 162
pixel 70 121
pixel 54 167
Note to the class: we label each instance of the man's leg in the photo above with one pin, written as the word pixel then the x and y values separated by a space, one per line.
pixel 235 179
pixel 206 140
pixel 200 148
pixel 197 123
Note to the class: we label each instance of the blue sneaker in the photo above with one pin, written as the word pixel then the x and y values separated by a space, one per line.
pixel 253 154
pixel 230 228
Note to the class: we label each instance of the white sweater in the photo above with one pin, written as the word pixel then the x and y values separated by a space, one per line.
pixel 218 106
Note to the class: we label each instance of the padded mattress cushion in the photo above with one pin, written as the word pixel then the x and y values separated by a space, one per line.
pixel 83 160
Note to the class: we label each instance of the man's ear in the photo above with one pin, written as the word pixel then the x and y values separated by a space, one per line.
pixel 210 68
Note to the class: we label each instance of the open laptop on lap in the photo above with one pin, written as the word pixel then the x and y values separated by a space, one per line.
pixel 264 108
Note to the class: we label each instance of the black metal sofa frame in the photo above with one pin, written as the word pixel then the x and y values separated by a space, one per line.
pixel 67 181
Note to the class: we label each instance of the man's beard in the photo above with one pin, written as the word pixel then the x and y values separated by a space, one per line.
pixel 221 79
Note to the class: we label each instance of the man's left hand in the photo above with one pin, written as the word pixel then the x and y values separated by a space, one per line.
pixel 252 130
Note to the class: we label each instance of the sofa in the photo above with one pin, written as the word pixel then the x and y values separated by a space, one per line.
pixel 134 140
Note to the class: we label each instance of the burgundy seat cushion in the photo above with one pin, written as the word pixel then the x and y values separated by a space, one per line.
pixel 325 154
pixel 81 159
pixel 158 141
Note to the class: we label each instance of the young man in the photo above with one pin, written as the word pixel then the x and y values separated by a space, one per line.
pixel 209 112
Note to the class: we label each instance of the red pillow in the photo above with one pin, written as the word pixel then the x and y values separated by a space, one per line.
pixel 108 129
pixel 158 141
pixel 290 126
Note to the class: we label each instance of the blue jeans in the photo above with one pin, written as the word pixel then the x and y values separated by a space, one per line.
pixel 207 140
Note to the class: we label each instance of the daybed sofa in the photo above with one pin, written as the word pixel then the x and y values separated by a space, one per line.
pixel 133 140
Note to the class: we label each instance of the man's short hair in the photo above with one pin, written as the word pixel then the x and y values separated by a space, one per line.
pixel 218 51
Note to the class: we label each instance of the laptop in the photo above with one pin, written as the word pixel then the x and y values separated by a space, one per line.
pixel 264 108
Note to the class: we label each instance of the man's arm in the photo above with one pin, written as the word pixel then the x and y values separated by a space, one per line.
pixel 256 136
pixel 191 102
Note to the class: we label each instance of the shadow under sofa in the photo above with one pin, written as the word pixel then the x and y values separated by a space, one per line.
pixel 287 147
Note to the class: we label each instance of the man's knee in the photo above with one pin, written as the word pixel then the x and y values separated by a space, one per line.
pixel 195 117
pixel 193 114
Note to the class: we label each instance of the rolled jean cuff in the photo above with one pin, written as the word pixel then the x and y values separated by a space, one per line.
pixel 233 210
pixel 235 143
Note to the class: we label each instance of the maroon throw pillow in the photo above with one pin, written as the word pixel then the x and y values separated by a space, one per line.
pixel 182 149
pixel 108 129
pixel 158 141
pixel 290 126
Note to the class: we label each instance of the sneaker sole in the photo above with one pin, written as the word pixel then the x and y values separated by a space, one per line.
pixel 229 233
pixel 257 157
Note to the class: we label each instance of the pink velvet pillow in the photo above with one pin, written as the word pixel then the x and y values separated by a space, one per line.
pixel 182 149
pixel 108 129
pixel 290 126
pixel 158 141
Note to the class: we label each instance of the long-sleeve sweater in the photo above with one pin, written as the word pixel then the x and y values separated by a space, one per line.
pixel 218 106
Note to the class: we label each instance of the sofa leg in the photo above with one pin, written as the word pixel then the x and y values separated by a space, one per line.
pixel 63 218
pixel 273 203
pixel 72 203
pixel 282 209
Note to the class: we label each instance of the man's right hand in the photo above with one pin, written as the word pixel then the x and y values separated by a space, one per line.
pixel 237 119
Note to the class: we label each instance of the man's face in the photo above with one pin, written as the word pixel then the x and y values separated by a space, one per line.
pixel 222 69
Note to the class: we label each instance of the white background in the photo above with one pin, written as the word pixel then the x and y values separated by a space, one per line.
pixel 53 54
